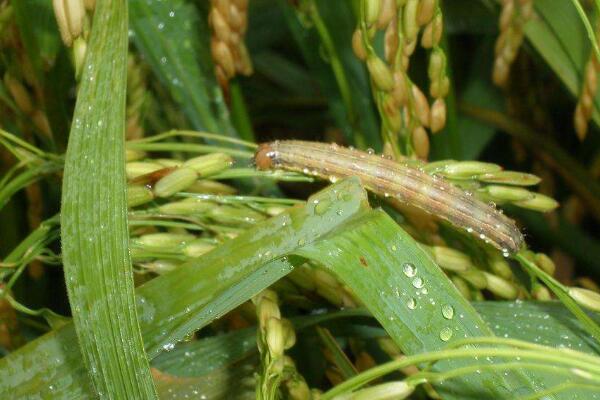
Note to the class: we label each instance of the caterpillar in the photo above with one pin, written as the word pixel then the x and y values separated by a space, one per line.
pixel 389 178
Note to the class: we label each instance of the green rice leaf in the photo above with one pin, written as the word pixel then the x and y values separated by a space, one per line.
pixel 546 323
pixel 94 231
pixel 411 297
pixel 174 40
pixel 190 297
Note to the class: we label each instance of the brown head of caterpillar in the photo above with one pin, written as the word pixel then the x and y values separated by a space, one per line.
pixel 263 158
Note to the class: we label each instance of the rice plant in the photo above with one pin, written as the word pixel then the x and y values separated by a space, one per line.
pixel 299 199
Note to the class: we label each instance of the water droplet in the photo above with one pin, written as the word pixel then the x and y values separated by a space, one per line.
pixel 168 346
pixel 411 303
pixel 409 269
pixel 446 334
pixel 418 282
pixel 448 311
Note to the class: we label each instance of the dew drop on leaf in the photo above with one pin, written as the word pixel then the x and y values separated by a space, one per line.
pixel 418 282
pixel 448 311
pixel 446 334
pixel 411 303
pixel 168 346
pixel 409 269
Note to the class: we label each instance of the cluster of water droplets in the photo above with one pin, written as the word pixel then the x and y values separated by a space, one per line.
pixel 447 311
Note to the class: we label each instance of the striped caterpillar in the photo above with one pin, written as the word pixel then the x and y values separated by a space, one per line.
pixel 388 178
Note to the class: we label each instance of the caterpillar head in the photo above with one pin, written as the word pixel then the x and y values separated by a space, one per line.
pixel 263 158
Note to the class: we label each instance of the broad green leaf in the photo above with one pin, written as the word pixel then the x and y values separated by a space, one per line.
pixel 190 297
pixel 94 230
pixel 174 40
pixel 560 38
pixel 408 294
pixel 545 323
pixel 229 282
pixel 550 324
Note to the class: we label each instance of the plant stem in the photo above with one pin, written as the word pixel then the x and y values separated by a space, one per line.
pixel 550 355
pixel 188 148
pixel 195 134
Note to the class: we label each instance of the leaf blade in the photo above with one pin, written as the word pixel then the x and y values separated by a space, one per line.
pixel 94 228
pixel 392 286
pixel 174 40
